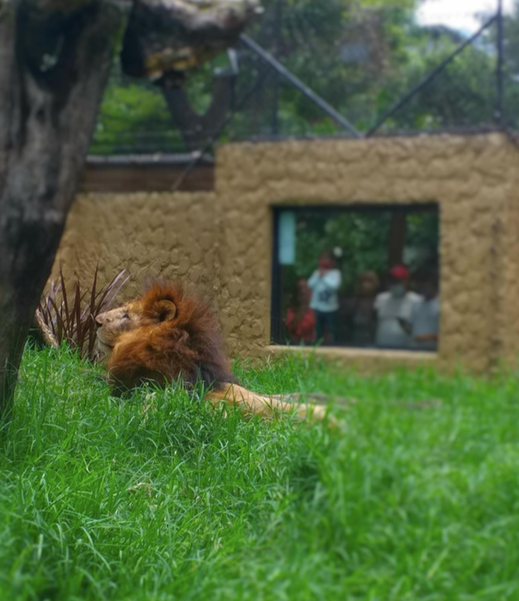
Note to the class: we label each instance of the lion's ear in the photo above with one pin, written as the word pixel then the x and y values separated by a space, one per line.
pixel 165 310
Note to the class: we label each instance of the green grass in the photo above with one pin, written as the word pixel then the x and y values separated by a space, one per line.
pixel 161 498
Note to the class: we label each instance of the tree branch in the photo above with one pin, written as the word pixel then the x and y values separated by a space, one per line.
pixel 196 128
pixel 165 36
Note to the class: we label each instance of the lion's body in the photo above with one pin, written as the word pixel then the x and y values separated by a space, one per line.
pixel 168 335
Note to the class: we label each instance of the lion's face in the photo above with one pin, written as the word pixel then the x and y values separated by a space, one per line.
pixel 112 324
pixel 151 310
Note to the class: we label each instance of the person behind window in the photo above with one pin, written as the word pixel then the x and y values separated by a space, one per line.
pixel 424 320
pixel 394 309
pixel 300 320
pixel 325 283
pixel 364 319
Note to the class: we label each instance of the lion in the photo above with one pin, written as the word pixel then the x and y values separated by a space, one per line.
pixel 167 335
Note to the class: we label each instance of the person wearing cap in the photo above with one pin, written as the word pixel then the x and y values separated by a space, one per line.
pixel 394 309
pixel 325 283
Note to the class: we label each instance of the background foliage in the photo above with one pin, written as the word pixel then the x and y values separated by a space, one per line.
pixel 360 55
pixel 363 237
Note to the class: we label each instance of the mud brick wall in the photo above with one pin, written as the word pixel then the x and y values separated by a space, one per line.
pixel 473 180
pixel 151 235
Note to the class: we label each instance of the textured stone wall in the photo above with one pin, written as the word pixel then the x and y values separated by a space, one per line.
pixel 221 242
pixel 473 179
pixel 508 307
pixel 151 235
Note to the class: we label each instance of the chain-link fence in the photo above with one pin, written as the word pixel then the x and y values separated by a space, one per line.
pixel 351 67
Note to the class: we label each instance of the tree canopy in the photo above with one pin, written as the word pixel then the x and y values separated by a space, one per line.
pixel 359 55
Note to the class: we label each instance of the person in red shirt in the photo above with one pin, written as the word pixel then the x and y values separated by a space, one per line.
pixel 300 319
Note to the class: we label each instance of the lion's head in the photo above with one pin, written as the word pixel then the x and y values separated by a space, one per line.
pixel 162 335
pixel 147 311
pixel 112 324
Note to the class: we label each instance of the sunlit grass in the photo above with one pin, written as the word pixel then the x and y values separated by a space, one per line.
pixel 414 497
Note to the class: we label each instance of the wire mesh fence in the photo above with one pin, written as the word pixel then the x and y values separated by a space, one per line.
pixel 379 66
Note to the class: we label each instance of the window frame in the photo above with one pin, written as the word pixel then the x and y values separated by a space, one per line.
pixel 276 320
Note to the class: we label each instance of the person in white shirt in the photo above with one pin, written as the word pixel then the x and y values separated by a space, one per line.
pixel 424 321
pixel 325 283
pixel 394 309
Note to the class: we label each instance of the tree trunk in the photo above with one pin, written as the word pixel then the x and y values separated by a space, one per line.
pixel 54 65
pixel 196 129
pixel 397 237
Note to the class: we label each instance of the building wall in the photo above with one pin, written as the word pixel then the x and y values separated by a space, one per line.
pixel 473 179
pixel 222 241
pixel 508 266
pixel 151 235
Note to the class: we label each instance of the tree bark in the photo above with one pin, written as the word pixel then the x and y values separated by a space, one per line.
pixel 54 65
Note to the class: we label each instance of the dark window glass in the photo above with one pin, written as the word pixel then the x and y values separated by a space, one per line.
pixel 361 277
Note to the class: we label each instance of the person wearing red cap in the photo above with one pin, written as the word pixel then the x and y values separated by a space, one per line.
pixel 394 308
pixel 399 272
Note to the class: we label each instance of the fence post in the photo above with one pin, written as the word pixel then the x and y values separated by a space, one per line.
pixel 499 116
pixel 278 24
